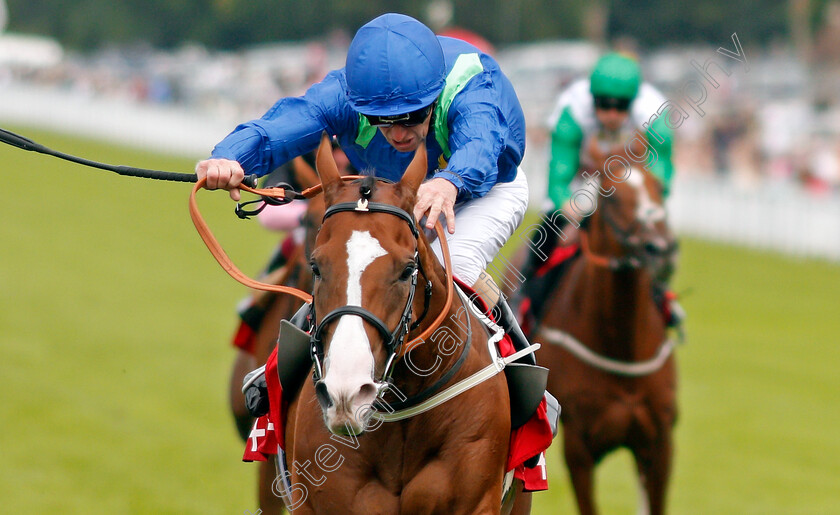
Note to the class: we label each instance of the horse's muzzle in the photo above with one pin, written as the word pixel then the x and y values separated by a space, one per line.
pixel 323 396
pixel 346 414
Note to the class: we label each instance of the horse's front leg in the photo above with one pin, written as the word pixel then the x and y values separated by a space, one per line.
pixel 460 486
pixel 581 467
pixel 653 464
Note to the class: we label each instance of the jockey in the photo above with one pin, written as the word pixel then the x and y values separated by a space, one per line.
pixel 592 120
pixel 403 87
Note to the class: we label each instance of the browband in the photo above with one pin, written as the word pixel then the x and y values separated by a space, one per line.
pixel 374 207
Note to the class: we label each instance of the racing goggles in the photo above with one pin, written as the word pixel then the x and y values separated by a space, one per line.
pixel 607 103
pixel 407 120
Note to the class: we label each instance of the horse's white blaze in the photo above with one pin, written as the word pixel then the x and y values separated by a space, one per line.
pixel 647 211
pixel 350 361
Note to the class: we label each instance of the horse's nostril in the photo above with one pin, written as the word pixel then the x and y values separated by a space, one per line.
pixel 367 393
pixel 654 247
pixel 323 395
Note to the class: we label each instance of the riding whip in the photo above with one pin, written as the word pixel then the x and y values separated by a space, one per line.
pixel 16 140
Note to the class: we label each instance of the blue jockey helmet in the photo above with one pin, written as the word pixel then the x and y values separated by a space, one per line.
pixel 394 66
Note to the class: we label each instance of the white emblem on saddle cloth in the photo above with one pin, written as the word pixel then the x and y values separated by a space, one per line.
pixel 258 433
pixel 541 466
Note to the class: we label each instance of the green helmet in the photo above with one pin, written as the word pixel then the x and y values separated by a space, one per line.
pixel 615 75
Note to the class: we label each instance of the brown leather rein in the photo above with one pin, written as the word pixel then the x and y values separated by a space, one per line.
pixel 280 193
pixel 595 259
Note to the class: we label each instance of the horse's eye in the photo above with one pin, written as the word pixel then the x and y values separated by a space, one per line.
pixel 408 272
pixel 315 270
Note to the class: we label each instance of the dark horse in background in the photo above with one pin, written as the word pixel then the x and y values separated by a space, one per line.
pixel 606 344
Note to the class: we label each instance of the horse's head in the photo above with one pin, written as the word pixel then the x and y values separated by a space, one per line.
pixel 365 264
pixel 631 224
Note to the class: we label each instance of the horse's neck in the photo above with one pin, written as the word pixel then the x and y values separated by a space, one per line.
pixel 620 293
pixel 440 351
pixel 621 311
pixel 621 300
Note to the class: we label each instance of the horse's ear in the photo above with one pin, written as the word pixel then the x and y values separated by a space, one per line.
pixel 416 171
pixel 306 176
pixel 325 163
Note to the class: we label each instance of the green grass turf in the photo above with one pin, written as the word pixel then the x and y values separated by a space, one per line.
pixel 114 356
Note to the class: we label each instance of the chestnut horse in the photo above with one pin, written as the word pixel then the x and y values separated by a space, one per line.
pixel 607 344
pixel 370 348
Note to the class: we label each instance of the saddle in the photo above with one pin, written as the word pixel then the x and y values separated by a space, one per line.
pixel 538 287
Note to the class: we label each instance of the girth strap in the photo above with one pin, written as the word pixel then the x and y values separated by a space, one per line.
pixel 622 368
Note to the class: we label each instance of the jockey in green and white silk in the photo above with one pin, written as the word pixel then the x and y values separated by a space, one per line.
pixel 594 119
pixel 614 91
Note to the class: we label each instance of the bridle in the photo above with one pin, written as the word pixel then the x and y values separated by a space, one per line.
pixel 427 399
pixel 393 339
pixel 637 254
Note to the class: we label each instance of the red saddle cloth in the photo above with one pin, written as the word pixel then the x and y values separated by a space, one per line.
pixel 559 255
pixel 527 441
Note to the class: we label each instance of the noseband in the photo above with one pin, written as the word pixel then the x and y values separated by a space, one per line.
pixel 393 339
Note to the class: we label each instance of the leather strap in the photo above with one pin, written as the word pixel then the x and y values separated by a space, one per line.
pixel 596 259
pixel 374 207
pixel 222 258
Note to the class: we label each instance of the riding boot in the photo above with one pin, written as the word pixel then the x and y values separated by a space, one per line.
pixel 511 326
pixel 543 243
pixel 254 386
pixel 526 381
pixel 540 249
pixel 666 301
pixel 301 318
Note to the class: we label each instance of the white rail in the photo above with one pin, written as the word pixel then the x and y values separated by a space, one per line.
pixel 774 216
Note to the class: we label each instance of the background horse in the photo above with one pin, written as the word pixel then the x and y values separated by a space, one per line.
pixel 608 351
pixel 449 459
pixel 295 273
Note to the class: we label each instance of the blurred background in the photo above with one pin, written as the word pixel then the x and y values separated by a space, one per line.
pixel 177 76
pixel 114 322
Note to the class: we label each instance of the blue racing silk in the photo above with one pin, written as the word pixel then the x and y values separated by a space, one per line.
pixel 483 134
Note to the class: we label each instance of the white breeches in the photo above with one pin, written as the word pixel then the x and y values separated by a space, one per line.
pixel 482 226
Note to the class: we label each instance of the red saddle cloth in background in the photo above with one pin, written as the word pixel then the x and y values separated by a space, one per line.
pixel 527 441
pixel 558 256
